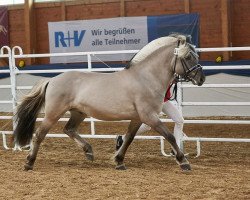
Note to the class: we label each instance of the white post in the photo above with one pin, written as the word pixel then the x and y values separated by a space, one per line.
pixel 163 149
pixel 89 62
pixel 9 57
pixel 12 67
pixel 92 123
pixel 179 103
pixel 5 142
pixel 13 70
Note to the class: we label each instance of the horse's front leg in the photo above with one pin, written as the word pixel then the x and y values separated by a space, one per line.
pixel 180 158
pixel 157 125
pixel 129 137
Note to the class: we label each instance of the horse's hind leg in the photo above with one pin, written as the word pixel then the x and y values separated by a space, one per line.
pixel 129 137
pixel 71 130
pixel 40 134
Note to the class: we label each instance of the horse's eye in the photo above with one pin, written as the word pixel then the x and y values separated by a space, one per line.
pixel 188 57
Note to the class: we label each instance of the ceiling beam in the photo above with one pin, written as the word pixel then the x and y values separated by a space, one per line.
pixel 30 28
pixel 225 28
pixel 63 11
pixel 122 8
pixel 187 6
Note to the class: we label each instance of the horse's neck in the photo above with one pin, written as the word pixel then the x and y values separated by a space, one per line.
pixel 164 70
pixel 157 68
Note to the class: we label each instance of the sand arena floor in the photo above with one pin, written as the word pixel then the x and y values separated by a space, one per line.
pixel 62 172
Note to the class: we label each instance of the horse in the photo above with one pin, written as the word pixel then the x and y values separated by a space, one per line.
pixel 135 93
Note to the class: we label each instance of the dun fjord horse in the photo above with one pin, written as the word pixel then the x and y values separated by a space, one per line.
pixel 135 93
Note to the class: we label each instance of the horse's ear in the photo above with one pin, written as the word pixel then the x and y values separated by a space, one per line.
pixel 182 39
pixel 189 39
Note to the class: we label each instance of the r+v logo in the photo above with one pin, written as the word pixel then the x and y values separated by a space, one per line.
pixel 65 39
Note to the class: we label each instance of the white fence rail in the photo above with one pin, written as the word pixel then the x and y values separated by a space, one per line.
pixel 13 70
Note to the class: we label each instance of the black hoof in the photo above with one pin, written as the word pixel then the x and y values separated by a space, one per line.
pixel 119 142
pixel 185 167
pixel 90 156
pixel 27 167
pixel 120 167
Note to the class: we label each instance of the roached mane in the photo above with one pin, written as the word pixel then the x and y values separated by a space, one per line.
pixel 155 45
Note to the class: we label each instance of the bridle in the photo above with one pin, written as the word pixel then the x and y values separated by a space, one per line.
pixel 187 71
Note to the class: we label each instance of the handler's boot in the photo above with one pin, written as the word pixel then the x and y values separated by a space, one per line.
pixel 119 142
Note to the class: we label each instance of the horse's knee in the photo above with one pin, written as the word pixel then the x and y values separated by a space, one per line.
pixel 68 132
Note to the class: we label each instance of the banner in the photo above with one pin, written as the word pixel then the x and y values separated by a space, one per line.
pixel 97 35
pixel 125 33
pixel 4 35
pixel 163 25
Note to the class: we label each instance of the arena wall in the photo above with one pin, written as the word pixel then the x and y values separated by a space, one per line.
pixel 215 17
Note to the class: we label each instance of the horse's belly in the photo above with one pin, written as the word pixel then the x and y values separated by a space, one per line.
pixel 104 110
pixel 109 114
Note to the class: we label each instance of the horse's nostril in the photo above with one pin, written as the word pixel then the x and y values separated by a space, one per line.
pixel 203 79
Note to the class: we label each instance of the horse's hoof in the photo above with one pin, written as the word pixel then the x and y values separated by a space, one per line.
pixel 120 167
pixel 90 156
pixel 185 167
pixel 28 167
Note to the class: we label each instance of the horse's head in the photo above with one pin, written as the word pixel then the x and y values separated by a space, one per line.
pixel 185 62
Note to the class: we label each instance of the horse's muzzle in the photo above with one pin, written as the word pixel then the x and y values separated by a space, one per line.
pixel 202 79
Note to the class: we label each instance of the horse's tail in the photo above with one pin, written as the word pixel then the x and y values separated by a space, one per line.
pixel 27 112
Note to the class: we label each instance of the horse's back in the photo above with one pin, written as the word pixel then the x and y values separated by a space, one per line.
pixel 101 95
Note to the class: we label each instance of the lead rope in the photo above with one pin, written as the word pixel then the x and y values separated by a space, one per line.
pixel 174 92
pixel 101 61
